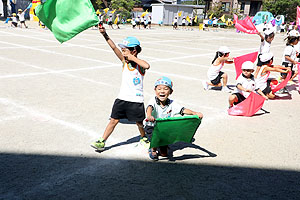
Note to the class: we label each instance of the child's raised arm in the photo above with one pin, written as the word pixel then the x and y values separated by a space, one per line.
pixel 111 43
pixel 131 57
pixel 190 112
pixel 261 36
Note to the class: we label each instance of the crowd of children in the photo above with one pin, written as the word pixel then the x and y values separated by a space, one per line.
pixel 15 18
pixel 130 101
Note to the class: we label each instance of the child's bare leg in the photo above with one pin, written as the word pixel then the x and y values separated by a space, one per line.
pixel 225 78
pixel 110 128
pixel 141 128
pixel 232 99
pixel 294 76
pixel 271 95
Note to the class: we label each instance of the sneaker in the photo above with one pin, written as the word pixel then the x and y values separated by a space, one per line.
pixel 205 85
pixel 99 144
pixel 226 89
pixel 145 142
pixel 153 155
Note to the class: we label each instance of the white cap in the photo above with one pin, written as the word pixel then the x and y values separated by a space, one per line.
pixel 224 49
pixel 293 33
pixel 268 31
pixel 266 57
pixel 248 65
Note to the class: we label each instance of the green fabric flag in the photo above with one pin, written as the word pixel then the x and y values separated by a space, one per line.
pixel 67 18
pixel 174 129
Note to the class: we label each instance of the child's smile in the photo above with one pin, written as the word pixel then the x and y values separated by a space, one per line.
pixel 162 92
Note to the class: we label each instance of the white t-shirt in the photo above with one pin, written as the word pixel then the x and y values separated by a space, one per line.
pixel 264 47
pixel 247 83
pixel 183 21
pixel 214 70
pixel 21 16
pixel 14 19
pixel 132 83
pixel 133 22
pixel 261 80
pixel 289 51
pixel 170 110
pixel 175 20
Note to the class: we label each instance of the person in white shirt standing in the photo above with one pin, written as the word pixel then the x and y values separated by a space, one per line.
pixel 265 46
pixel 130 101
pixel 21 15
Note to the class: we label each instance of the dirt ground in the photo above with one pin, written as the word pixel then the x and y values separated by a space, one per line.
pixel 55 99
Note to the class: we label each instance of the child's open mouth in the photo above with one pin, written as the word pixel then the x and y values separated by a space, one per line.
pixel 162 95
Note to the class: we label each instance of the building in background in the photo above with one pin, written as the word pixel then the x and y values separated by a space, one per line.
pixel 246 7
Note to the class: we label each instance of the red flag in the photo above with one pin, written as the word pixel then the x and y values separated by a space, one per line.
pixel 245 25
pixel 248 107
pixel 298 16
pixel 283 83
pixel 238 61
pixel 298 65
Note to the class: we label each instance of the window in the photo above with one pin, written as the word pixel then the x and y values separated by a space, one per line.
pixel 243 6
pixel 226 6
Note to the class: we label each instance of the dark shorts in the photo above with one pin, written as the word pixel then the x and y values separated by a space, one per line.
pixel 15 24
pixel 183 24
pixel 289 65
pixel 259 63
pixel 217 80
pixel 109 23
pixel 138 23
pixel 175 24
pixel 132 111
pixel 22 22
pixel 268 89
pixel 240 98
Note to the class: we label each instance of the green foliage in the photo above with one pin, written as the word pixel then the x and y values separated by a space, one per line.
pixel 98 4
pixel 123 7
pixel 288 8
pixel 216 9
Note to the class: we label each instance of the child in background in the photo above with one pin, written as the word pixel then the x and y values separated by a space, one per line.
pixel 265 46
pixel 290 56
pixel 110 21
pixel 130 102
pixel 161 107
pixel 245 84
pixel 149 21
pixel 175 23
pixel 138 21
pixel 14 19
pixel 133 23
pixel 21 16
pixel 262 81
pixel 214 72
pixel 183 23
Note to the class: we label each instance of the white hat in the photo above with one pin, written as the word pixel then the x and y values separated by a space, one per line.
pixel 224 49
pixel 266 57
pixel 248 65
pixel 293 33
pixel 268 31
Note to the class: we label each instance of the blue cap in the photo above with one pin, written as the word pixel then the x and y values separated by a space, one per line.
pixel 164 81
pixel 129 42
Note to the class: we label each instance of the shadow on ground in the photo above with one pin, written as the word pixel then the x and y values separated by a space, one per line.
pixel 62 177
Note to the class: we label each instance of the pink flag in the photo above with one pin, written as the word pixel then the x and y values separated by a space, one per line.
pixel 298 65
pixel 248 107
pixel 245 25
pixel 238 61
pixel 283 83
pixel 298 16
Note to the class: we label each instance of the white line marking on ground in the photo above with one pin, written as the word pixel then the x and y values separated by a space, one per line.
pixel 37 114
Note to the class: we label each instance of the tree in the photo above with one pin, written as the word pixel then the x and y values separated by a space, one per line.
pixel 216 10
pixel 123 6
pixel 282 7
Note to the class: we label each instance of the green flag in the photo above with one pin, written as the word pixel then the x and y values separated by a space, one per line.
pixel 67 18
pixel 174 129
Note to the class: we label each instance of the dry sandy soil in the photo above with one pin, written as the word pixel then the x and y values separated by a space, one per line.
pixel 56 98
